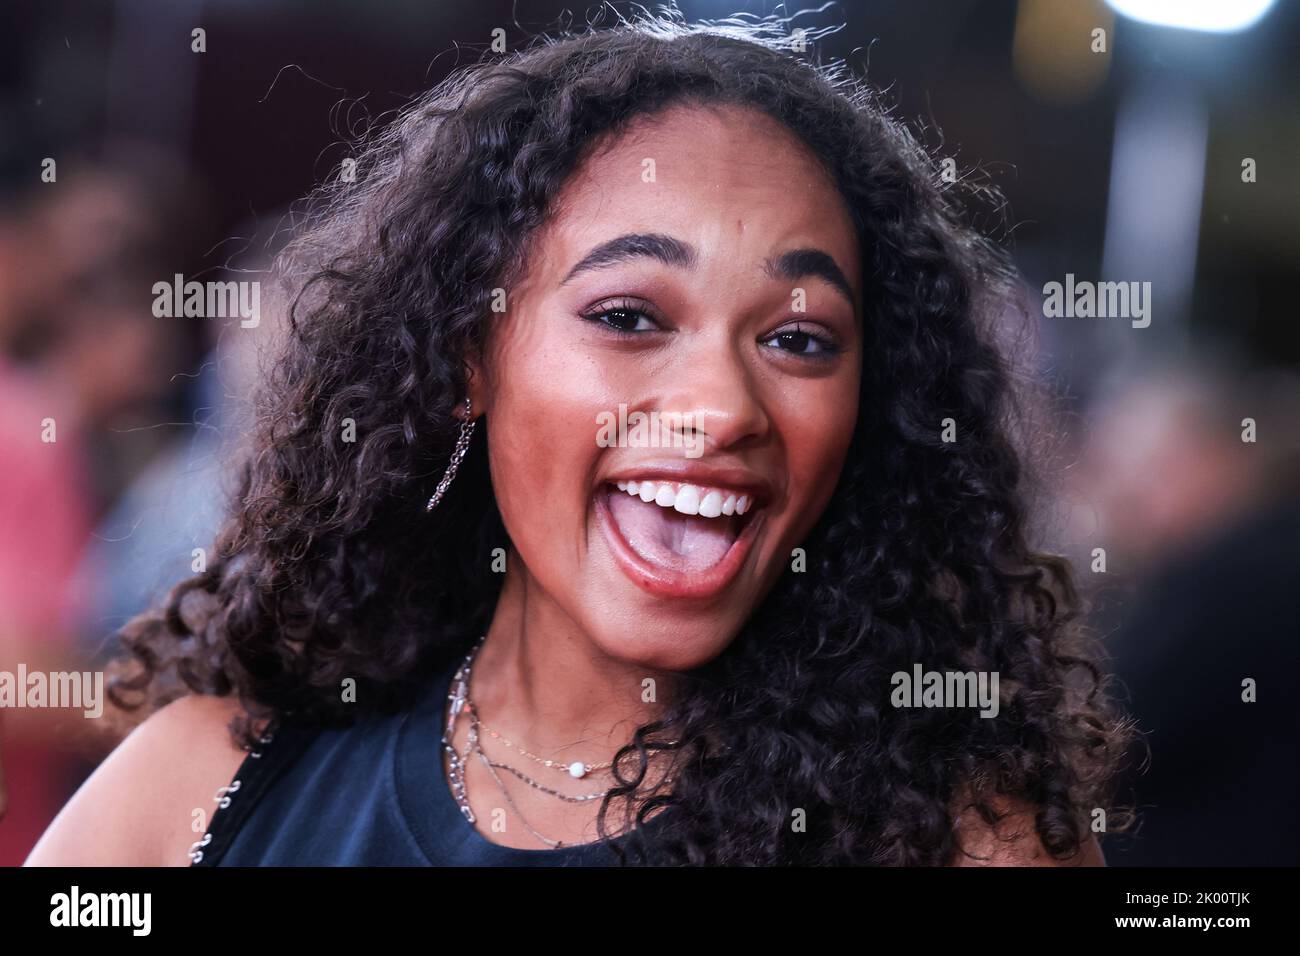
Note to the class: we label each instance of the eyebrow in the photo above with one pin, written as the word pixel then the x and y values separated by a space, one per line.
pixel 790 266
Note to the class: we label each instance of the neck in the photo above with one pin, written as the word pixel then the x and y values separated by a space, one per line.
pixel 543 683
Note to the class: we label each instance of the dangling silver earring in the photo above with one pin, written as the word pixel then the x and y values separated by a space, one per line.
pixel 462 446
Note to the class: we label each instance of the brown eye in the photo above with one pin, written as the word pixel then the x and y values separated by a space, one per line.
pixel 624 320
pixel 624 316
pixel 799 342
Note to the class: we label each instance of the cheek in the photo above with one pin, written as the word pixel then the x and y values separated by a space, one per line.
pixel 543 452
pixel 817 443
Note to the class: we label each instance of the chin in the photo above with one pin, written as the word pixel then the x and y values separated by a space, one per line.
pixel 665 643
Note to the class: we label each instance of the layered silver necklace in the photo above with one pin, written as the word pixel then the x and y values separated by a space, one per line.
pixel 459 704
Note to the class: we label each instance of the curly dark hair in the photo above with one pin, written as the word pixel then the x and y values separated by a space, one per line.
pixel 328 568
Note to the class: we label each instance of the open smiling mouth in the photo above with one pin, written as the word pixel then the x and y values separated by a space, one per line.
pixel 676 539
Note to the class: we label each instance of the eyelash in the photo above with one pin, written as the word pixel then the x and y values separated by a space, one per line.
pixel 825 346
pixel 600 314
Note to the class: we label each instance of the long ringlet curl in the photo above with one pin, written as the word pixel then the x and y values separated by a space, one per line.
pixel 327 567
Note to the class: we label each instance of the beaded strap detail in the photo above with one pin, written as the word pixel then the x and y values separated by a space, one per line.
pixel 223 800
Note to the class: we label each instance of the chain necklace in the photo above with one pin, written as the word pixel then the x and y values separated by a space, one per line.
pixel 459 700
pixel 577 769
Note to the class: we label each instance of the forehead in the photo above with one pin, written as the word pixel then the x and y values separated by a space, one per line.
pixel 730 180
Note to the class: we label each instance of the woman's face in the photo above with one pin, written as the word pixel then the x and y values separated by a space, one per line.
pixel 702 265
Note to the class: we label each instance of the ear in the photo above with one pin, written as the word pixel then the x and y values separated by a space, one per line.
pixel 477 384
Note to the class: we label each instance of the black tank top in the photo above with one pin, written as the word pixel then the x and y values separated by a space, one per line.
pixel 371 794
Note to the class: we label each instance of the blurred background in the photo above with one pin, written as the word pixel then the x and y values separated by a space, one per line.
pixel 1165 149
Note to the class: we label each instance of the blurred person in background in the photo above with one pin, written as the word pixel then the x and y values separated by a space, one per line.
pixel 1203 530
pixel 147 541
pixel 45 517
pixel 84 363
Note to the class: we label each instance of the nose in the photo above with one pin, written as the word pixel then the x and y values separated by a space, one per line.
pixel 713 383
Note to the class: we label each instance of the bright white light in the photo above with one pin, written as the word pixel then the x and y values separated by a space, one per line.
pixel 1216 16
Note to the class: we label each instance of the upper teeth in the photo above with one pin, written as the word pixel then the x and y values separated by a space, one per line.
pixel 688 499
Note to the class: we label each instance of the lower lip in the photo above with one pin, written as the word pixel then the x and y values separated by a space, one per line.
pixel 662 582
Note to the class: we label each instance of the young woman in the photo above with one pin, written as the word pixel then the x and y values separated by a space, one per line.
pixel 455 617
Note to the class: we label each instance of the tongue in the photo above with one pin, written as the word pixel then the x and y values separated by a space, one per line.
pixel 669 538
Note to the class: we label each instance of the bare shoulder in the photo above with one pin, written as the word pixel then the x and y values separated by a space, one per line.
pixel 1013 841
pixel 138 807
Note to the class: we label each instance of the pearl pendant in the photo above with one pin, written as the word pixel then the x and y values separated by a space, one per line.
pixel 577 770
